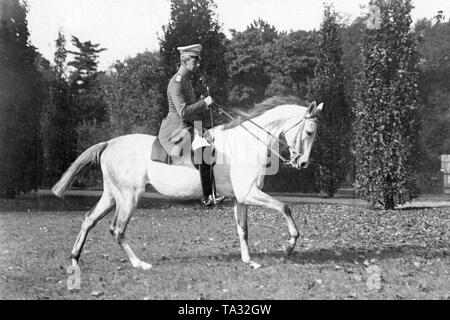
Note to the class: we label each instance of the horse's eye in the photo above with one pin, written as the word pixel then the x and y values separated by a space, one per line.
pixel 309 133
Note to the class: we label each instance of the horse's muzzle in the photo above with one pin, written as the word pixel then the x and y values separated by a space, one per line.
pixel 299 164
pixel 303 165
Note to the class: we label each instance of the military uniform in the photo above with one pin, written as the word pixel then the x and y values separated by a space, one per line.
pixel 177 128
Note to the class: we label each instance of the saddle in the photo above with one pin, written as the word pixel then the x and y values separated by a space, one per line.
pixel 160 155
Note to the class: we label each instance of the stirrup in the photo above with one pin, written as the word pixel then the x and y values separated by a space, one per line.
pixel 209 201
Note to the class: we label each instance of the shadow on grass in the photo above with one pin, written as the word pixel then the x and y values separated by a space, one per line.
pixel 430 207
pixel 84 203
pixel 323 256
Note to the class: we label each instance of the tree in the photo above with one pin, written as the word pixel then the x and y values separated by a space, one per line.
pixel 386 123
pixel 87 98
pixel 352 45
pixel 434 84
pixel 290 62
pixel 60 134
pixel 60 58
pixel 132 95
pixel 246 63
pixel 85 61
pixel 21 95
pixel 332 147
pixel 195 21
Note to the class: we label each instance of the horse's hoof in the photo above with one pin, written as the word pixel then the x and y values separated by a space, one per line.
pixel 288 250
pixel 74 263
pixel 142 265
pixel 254 265
pixel 146 266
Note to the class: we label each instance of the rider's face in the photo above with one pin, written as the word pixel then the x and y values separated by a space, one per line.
pixel 192 63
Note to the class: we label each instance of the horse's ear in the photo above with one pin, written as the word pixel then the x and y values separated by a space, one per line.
pixel 317 111
pixel 311 107
pixel 319 108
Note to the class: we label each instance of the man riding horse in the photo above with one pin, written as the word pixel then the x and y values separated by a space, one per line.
pixel 178 126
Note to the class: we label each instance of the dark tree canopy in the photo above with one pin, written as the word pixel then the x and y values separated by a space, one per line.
pixel 332 147
pixel 290 62
pixel 21 95
pixel 246 65
pixel 132 95
pixel 195 21
pixel 434 87
pixel 85 61
pixel 85 94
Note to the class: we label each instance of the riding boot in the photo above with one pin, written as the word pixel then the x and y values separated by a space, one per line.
pixel 207 179
pixel 205 176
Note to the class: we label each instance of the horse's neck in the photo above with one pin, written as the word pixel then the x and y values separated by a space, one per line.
pixel 273 121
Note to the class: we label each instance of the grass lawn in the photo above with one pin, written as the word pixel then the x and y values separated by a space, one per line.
pixel 195 252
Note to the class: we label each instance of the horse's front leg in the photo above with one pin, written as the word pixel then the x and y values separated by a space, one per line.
pixel 259 198
pixel 240 215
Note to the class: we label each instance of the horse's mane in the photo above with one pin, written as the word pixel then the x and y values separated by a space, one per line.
pixel 260 108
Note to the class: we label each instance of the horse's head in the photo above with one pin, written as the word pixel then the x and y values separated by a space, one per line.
pixel 300 136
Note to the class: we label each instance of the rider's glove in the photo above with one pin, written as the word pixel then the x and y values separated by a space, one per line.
pixel 209 101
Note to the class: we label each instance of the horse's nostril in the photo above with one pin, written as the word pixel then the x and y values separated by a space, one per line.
pixel 304 165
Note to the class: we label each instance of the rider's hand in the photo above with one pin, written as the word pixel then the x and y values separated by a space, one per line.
pixel 209 101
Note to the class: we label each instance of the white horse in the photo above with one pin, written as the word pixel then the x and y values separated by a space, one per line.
pixel 242 150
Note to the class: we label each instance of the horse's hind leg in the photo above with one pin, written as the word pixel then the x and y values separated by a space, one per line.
pixel 124 209
pixel 259 198
pixel 240 214
pixel 101 209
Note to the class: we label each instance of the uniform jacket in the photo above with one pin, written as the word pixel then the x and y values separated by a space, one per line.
pixel 177 128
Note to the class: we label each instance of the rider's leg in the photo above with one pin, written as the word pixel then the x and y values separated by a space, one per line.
pixel 207 178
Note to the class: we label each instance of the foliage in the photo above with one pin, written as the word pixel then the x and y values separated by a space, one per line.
pixel 434 85
pixel 85 61
pixel 59 118
pixel 195 21
pixel 289 63
pixel 263 62
pixel 352 45
pixel 90 133
pixel 246 64
pixel 132 95
pixel 60 58
pixel 73 100
pixel 21 97
pixel 84 90
pixel 331 152
pixel 386 120
pixel 289 179
pixel 54 133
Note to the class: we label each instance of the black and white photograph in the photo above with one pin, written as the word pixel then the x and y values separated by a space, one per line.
pixel 194 151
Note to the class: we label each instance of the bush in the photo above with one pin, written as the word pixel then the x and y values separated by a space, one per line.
pixel 386 113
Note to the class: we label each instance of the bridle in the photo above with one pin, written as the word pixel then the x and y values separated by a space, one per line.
pixel 294 154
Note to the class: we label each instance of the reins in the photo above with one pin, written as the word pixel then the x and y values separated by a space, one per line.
pixel 296 154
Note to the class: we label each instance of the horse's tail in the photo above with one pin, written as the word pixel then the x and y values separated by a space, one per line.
pixel 90 156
